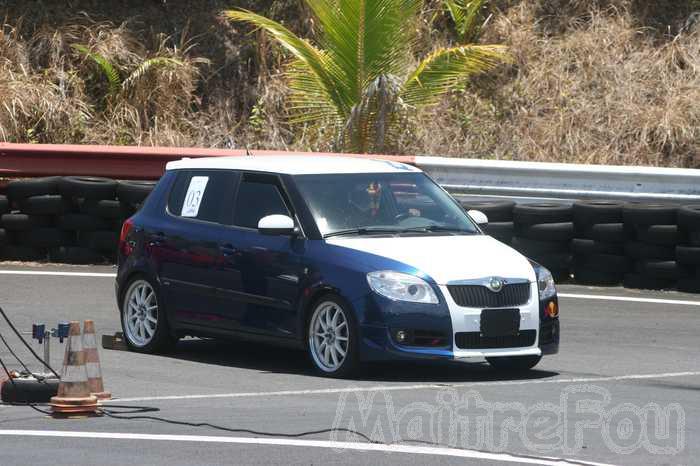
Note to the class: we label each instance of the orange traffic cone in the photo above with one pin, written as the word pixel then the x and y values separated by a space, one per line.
pixel 92 362
pixel 73 390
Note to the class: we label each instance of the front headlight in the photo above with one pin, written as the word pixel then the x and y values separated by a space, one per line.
pixel 401 287
pixel 545 282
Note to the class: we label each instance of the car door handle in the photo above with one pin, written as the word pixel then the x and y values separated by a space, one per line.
pixel 227 249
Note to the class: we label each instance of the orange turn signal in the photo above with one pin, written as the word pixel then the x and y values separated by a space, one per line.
pixel 552 309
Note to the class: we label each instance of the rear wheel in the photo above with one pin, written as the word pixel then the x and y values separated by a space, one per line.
pixel 514 363
pixel 144 322
pixel 332 338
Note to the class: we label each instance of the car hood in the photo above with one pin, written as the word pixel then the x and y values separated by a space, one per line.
pixel 446 258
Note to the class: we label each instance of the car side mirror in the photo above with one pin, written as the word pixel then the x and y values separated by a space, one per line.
pixel 479 217
pixel 276 225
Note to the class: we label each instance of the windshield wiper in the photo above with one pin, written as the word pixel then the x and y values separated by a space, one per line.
pixel 440 228
pixel 363 231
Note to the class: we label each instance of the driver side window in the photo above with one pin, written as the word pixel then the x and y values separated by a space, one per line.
pixel 258 196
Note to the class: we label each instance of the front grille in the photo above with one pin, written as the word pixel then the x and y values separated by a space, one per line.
pixel 512 295
pixel 474 340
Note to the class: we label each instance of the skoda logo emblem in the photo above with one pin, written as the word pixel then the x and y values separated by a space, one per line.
pixel 496 284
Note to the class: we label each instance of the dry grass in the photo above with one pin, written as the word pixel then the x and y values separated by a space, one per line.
pixel 595 81
pixel 600 90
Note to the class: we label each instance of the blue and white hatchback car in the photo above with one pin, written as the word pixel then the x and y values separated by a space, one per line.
pixel 351 259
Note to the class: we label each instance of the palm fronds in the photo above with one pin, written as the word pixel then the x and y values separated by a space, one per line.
pixel 114 81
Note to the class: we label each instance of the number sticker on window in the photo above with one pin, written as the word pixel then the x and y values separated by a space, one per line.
pixel 193 198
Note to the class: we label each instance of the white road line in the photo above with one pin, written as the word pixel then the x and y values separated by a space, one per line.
pixel 365 447
pixel 630 299
pixel 562 295
pixel 57 274
pixel 431 386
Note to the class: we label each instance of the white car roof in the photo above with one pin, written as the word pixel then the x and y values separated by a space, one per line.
pixel 294 164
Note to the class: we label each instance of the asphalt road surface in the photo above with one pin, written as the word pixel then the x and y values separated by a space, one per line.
pixel 625 389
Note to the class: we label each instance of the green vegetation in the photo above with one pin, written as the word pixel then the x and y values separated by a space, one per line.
pixel 595 81
pixel 361 83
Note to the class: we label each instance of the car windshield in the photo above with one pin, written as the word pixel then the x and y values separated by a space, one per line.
pixel 380 203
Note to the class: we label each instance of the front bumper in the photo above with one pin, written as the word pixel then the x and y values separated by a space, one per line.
pixel 378 341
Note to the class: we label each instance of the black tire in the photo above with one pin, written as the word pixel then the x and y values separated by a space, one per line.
pixel 689 217
pixel 75 255
pixel 553 261
pixel 548 231
pixel 502 231
pixel 81 222
pixel 4 237
pixel 100 240
pixel 586 276
pixel 88 187
pixel 689 285
pixel 16 252
pixel 47 238
pixel 614 264
pixel 351 363
pixel 584 247
pixel 105 208
pixel 694 238
pixel 668 235
pixel 649 214
pixel 23 222
pixel 4 205
pixel 606 232
pixel 514 363
pixel 19 189
pixel 536 248
pixel 662 270
pixel 496 211
pixel 587 213
pixel 163 339
pixel 134 192
pixel 689 255
pixel 47 204
pixel 643 251
pixel 542 212
pixel 642 282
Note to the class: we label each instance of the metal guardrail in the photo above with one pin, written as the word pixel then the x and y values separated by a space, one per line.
pixel 119 162
pixel 459 176
pixel 562 181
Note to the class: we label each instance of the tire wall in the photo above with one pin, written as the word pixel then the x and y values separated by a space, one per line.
pixel 637 245
pixel 72 220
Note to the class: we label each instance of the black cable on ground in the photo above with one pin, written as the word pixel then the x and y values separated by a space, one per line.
pixel 19 335
pixel 111 414
pixel 7 345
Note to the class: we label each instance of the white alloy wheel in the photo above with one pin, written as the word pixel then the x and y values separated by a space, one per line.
pixel 329 336
pixel 140 313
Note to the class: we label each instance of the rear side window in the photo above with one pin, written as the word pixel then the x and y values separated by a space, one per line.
pixel 201 194
pixel 258 196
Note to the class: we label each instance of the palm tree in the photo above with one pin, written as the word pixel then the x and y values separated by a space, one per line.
pixel 466 14
pixel 360 80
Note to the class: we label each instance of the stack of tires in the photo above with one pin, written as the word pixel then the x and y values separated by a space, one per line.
pixel 66 219
pixel 543 232
pixel 599 245
pixel 4 209
pixel 688 253
pixel 654 235
pixel 500 215
pixel 29 224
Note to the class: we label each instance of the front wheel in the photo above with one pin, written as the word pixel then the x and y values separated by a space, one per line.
pixel 514 363
pixel 332 338
pixel 143 319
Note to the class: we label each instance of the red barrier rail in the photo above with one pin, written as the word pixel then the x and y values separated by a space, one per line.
pixel 118 162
